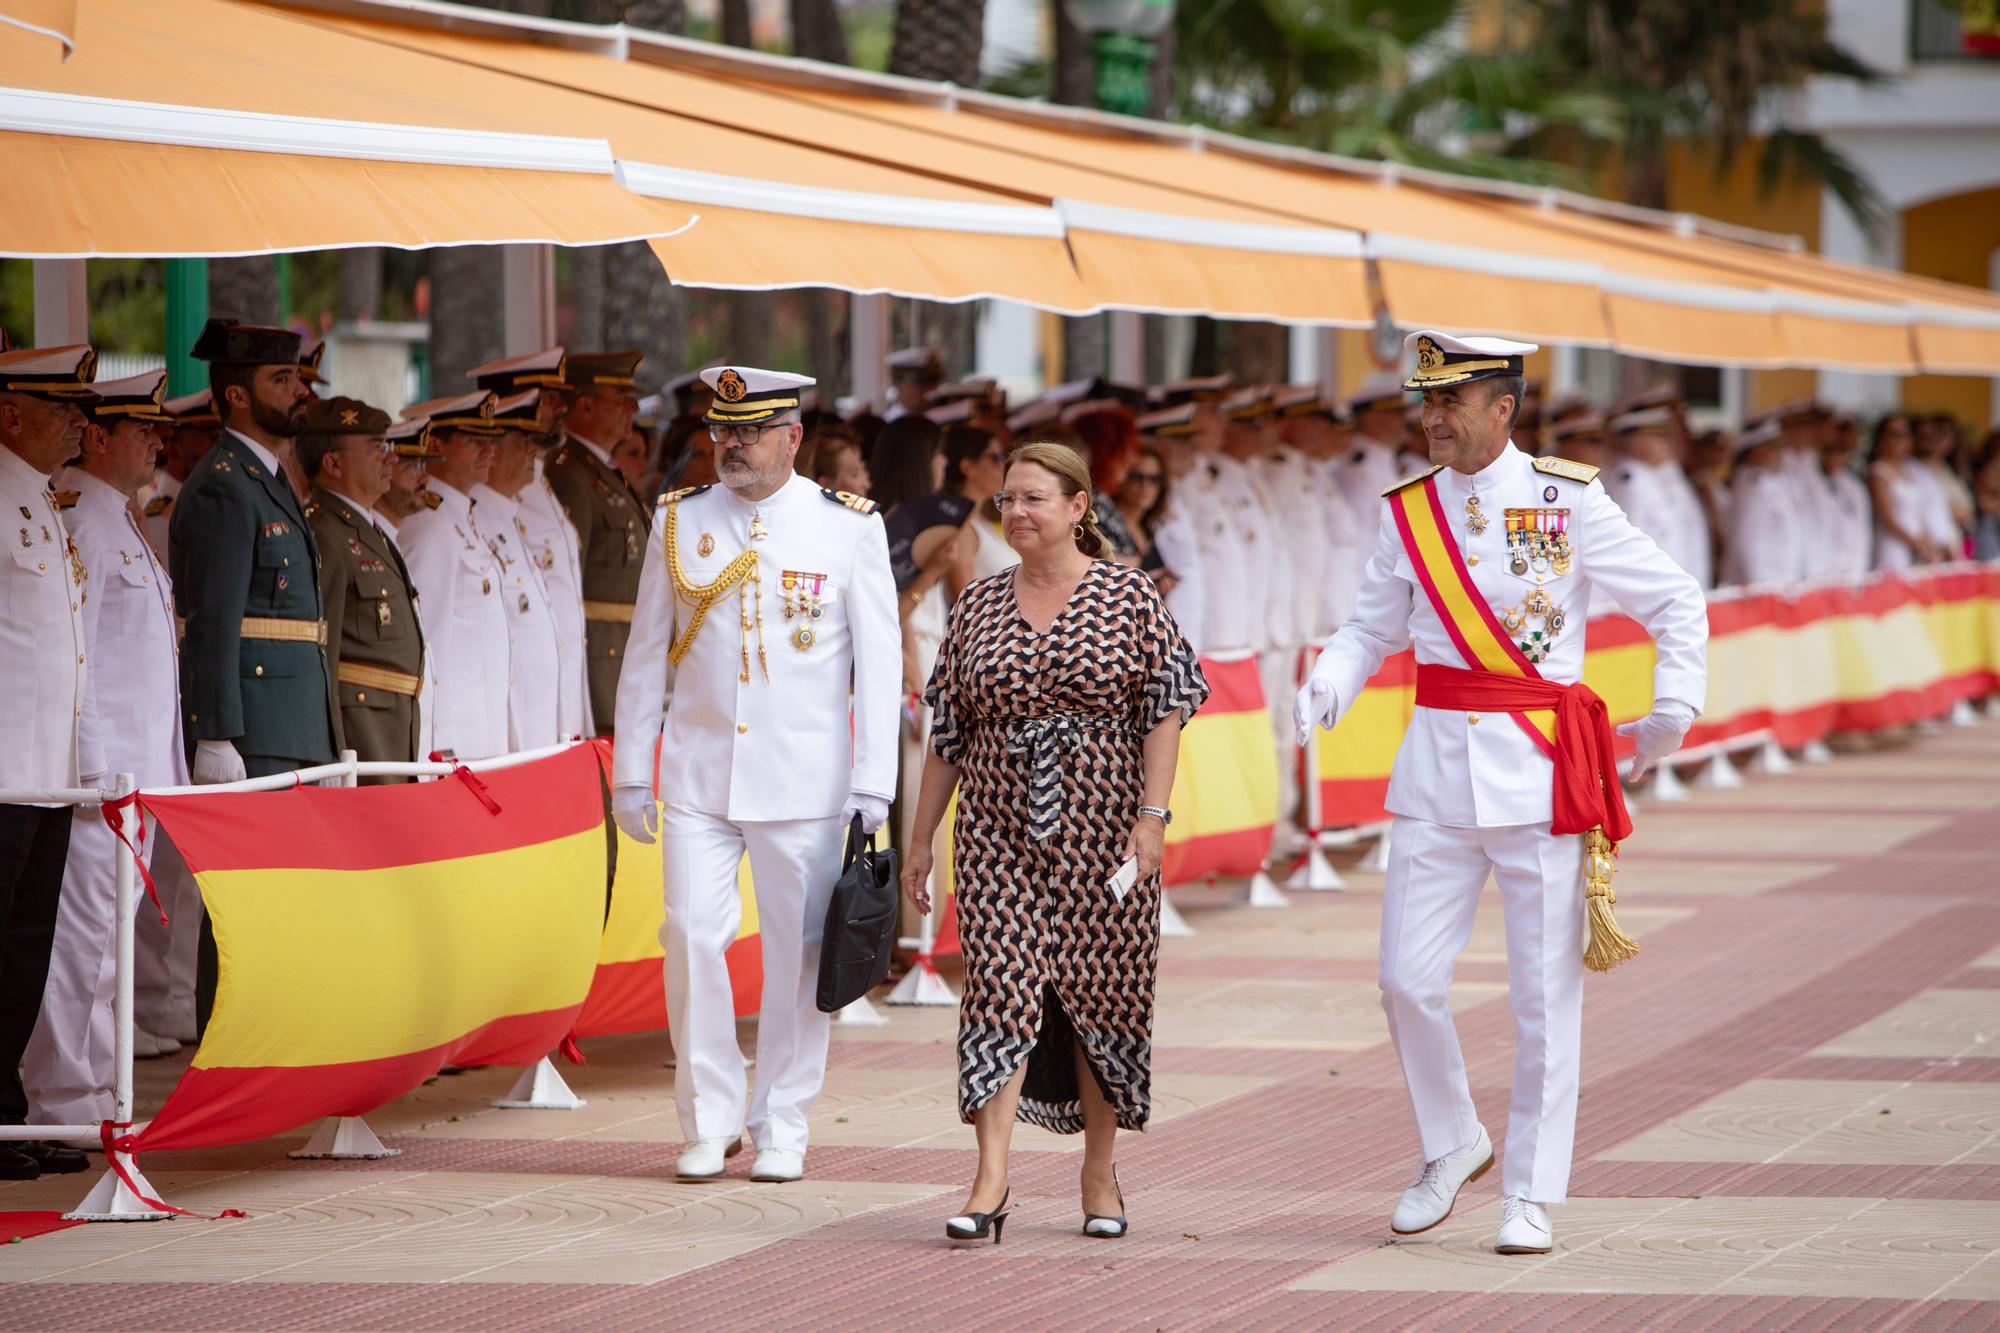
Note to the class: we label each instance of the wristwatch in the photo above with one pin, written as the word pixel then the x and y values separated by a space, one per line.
pixel 1160 812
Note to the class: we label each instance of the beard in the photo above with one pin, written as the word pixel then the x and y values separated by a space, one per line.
pixel 279 422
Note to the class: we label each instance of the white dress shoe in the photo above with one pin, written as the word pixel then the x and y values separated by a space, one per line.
pixel 703 1159
pixel 162 1045
pixel 1524 1228
pixel 145 1046
pixel 1430 1196
pixel 776 1165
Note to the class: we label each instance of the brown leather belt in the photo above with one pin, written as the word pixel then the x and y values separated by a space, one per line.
pixel 379 678
pixel 616 612
pixel 288 631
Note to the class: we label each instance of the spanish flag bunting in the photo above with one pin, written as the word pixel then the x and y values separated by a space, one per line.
pixel 1225 799
pixel 368 936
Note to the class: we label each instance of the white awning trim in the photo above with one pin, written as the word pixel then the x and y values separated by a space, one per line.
pixel 1699 296
pixel 1326 242
pixel 1964 317
pixel 1828 307
pixel 65 115
pixel 882 210
pixel 1469 259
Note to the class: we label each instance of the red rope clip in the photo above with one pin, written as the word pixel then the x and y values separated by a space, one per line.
pixel 112 811
pixel 471 781
pixel 123 1143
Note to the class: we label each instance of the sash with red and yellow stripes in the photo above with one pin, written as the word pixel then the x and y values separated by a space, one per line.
pixel 1470 622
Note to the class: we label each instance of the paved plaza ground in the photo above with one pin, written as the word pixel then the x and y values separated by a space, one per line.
pixel 1790 1118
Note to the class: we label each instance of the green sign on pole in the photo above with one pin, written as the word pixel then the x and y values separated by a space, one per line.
pixel 187 311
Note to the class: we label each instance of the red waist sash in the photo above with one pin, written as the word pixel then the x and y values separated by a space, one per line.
pixel 1586 793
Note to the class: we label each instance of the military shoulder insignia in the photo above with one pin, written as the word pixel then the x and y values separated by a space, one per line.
pixel 64 499
pixel 431 499
pixel 312 509
pixel 683 493
pixel 159 505
pixel 1411 481
pixel 1568 471
pixel 859 504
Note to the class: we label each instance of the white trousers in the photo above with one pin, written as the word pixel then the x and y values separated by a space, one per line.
pixel 68 1068
pixel 163 957
pixel 794 865
pixel 1277 669
pixel 1428 903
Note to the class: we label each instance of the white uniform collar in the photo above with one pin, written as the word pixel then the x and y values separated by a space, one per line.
pixel 451 499
pixel 15 469
pixel 264 456
pixel 494 503
pixel 94 492
pixel 784 495
pixel 1505 465
pixel 382 521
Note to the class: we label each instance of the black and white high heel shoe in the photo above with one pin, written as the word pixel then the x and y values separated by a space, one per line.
pixel 1108 1228
pixel 976 1226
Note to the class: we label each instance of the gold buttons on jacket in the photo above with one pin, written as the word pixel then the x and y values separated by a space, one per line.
pixel 742 728
pixel 1472 560
pixel 1473 718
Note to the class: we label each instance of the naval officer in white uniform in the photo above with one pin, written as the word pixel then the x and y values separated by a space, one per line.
pixel 1474 792
pixel 767 609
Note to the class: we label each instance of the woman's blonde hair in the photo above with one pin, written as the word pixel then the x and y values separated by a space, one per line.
pixel 1073 475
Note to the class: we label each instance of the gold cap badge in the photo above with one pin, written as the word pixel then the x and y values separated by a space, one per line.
pixel 729 387
pixel 1430 359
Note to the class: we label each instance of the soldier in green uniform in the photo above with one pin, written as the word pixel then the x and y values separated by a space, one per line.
pixel 256 694
pixel 611 521
pixel 373 639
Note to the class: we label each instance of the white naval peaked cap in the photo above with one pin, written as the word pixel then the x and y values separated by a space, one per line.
pixel 1646 418
pixel 1377 389
pixel 1764 432
pixel 1443 359
pixel 746 394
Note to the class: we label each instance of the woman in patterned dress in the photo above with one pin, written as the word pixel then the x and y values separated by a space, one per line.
pixel 1057 703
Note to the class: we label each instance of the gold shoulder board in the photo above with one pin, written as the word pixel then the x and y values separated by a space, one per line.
pixel 65 499
pixel 683 493
pixel 849 500
pixel 158 505
pixel 1568 471
pixel 1411 481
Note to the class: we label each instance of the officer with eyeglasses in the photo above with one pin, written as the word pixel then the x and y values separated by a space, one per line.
pixel 767 610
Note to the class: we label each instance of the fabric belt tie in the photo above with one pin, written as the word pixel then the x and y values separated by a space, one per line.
pixel 1045 740
pixel 1586 793
pixel 617 613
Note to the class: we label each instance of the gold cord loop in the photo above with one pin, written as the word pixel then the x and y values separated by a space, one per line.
pixel 739 575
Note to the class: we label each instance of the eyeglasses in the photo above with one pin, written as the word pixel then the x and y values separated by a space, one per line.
pixel 744 434
pixel 1005 500
pixel 995 455
pixel 1144 478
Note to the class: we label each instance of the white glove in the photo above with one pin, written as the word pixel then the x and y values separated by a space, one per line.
pixel 874 811
pixel 1316 705
pixel 632 808
pixel 217 761
pixel 1658 734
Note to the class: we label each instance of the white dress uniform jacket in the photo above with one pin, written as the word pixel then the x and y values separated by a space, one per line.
pixel 1241 544
pixel 158 506
pixel 1662 503
pixel 534 667
pixel 1850 525
pixel 465 624
pixel 553 547
pixel 1453 769
pixel 132 718
pixel 1769 529
pixel 1368 469
pixel 42 652
pixel 761 748
pixel 1178 541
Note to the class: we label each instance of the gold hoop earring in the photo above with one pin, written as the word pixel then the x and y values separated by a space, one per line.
pixel 1076 533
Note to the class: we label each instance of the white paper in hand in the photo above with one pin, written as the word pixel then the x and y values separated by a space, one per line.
pixel 1121 883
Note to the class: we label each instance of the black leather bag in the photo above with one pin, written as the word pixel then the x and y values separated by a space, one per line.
pixel 861 922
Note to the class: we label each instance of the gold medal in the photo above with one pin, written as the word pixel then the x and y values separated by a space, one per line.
pixel 804 637
pixel 705 547
pixel 382 614
pixel 758 532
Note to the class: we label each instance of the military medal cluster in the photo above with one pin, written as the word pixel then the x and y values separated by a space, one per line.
pixel 802 603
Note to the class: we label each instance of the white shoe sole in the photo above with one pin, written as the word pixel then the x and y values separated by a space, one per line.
pixel 776 1180
pixel 1524 1249
pixel 1483 1168
pixel 716 1174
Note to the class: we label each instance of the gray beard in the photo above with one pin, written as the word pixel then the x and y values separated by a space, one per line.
pixel 741 477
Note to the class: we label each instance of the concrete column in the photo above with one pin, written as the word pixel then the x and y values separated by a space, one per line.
pixel 62 303
pixel 868 336
pixel 1128 346
pixel 1565 368
pixel 1842 238
pixel 1314 357
pixel 528 287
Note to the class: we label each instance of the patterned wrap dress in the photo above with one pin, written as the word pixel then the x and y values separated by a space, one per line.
pixel 1047 731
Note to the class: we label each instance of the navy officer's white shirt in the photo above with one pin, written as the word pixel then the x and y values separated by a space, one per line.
pixel 775 746
pixel 1469 770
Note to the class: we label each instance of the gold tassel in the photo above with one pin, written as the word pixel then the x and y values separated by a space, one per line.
pixel 1609 946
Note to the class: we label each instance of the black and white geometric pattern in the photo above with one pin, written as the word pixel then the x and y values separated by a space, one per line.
pixel 1047 733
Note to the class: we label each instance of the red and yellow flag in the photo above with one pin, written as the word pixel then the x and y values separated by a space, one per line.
pixel 1225 799
pixel 368 936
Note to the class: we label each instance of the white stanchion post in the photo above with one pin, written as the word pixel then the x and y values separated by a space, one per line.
pixel 1666 785
pixel 1173 926
pixel 344 1137
pixel 1771 760
pixel 922 985
pixel 1718 774
pixel 1962 714
pixel 1264 892
pixel 1992 708
pixel 111 1199
pixel 1815 751
pixel 1317 875
pixel 540 1089
pixel 860 1014
pixel 1377 860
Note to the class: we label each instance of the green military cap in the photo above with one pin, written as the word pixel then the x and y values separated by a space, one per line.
pixel 616 370
pixel 224 341
pixel 344 416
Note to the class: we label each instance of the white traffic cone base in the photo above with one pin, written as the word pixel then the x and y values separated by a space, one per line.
pixel 1173 926
pixel 1771 760
pixel 922 985
pixel 1962 714
pixel 1317 875
pixel 1666 785
pixel 540 1089
pixel 860 1014
pixel 1718 774
pixel 1264 892
pixel 111 1200
pixel 1815 751
pixel 344 1136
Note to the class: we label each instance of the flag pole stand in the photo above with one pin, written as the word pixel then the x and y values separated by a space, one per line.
pixel 1173 926
pixel 922 985
pixel 1377 860
pixel 1718 774
pixel 1317 874
pixel 1962 714
pixel 1771 760
pixel 1264 892
pixel 540 1089
pixel 1815 751
pixel 860 1014
pixel 112 1200
pixel 344 1137
pixel 1666 786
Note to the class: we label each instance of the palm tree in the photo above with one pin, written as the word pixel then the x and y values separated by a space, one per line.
pixel 1723 72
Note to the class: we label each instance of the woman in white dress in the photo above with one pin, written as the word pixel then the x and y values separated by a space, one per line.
pixel 1902 498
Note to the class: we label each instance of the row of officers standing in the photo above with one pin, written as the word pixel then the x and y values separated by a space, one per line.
pixel 248 581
